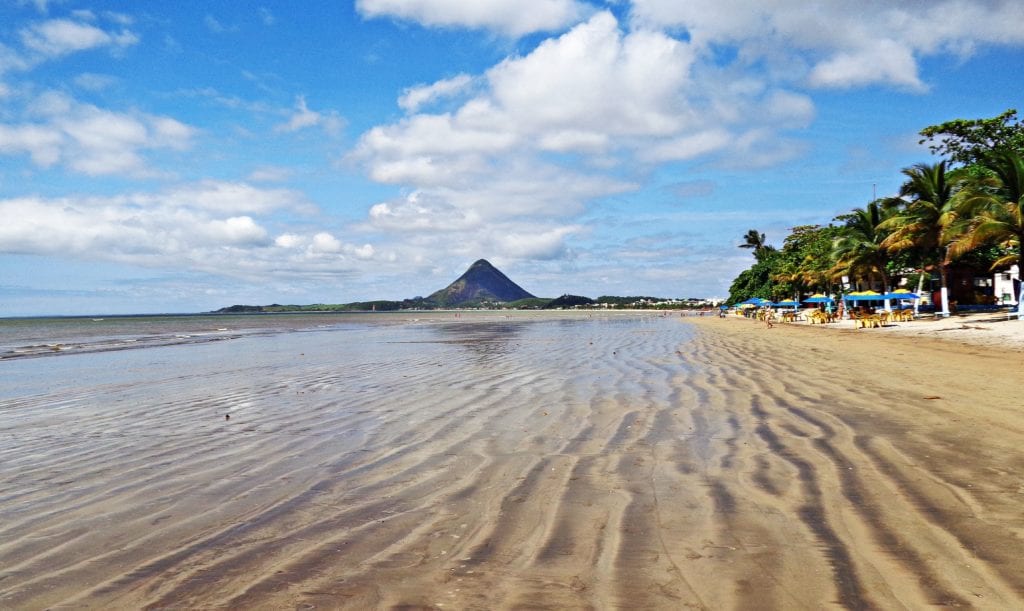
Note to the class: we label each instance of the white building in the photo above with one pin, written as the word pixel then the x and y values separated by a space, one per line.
pixel 1003 285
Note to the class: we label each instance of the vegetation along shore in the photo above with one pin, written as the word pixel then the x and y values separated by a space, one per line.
pixel 952 224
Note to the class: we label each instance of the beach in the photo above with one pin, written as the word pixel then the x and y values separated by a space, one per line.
pixel 499 461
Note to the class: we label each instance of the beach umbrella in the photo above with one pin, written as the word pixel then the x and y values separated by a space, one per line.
pixel 901 294
pixel 863 296
pixel 788 303
pixel 819 298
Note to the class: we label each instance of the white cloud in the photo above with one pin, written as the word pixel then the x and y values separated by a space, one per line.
pixel 11 60
pixel 91 140
pixel 325 243
pixel 58 37
pixel 597 95
pixel 42 144
pixel 543 245
pixel 579 118
pixel 844 44
pixel 689 146
pixel 215 26
pixel 270 174
pixel 510 17
pixel 415 97
pixel 303 117
pixel 419 212
pixel 222 197
pixel 885 61
pixel 288 240
pixel 91 81
pixel 236 230
pixel 219 228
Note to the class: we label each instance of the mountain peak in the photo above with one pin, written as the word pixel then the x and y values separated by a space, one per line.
pixel 482 281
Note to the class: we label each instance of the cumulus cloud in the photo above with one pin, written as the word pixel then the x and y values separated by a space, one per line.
pixel 91 140
pixel 219 228
pixel 842 44
pixel 509 17
pixel 546 132
pixel 542 245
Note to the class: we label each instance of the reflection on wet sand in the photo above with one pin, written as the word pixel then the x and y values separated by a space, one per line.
pixel 629 462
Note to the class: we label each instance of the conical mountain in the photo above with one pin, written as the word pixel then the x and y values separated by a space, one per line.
pixel 481 282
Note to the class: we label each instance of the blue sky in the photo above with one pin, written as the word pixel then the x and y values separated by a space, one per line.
pixel 179 157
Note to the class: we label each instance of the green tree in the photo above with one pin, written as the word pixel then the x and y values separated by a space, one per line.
pixel 756 281
pixel 926 220
pixel 756 242
pixel 859 252
pixel 969 141
pixel 993 209
pixel 806 260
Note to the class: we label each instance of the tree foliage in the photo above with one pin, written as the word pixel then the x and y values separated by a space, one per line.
pixel 945 212
pixel 969 141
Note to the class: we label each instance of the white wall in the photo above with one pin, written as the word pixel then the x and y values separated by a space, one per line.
pixel 1003 285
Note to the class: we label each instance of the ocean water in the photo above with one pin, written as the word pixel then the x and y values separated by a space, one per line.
pixel 41 355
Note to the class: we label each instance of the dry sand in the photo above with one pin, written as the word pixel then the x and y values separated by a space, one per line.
pixel 660 466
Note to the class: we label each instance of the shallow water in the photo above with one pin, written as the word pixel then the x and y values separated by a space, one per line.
pixel 119 457
pixel 501 461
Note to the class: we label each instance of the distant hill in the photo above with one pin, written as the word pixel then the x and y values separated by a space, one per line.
pixel 569 301
pixel 482 282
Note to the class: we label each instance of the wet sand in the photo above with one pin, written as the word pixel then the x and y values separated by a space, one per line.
pixel 631 462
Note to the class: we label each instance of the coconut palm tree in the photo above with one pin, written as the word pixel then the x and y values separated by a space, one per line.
pixel 859 252
pixel 994 210
pixel 927 220
pixel 756 242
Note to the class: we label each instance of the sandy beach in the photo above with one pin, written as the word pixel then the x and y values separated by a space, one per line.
pixel 603 461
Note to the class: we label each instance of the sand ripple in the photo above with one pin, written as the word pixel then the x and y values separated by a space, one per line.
pixel 632 462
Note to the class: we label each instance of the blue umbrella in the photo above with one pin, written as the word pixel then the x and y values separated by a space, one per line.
pixel 819 299
pixel 787 304
pixel 899 295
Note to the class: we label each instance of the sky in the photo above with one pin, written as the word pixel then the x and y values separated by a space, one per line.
pixel 161 157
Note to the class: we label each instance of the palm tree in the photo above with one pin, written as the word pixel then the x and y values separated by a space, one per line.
pixel 756 241
pixel 994 210
pixel 928 220
pixel 860 251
